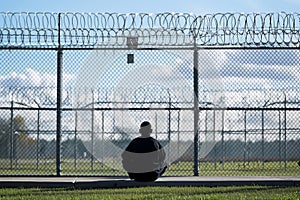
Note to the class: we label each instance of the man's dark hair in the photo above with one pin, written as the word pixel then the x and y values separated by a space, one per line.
pixel 145 123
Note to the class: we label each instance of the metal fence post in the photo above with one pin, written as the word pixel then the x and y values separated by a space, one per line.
pixel 178 135
pixel 223 154
pixel 38 140
pixel 214 138
pixel 92 132
pixel 169 124
pixel 245 138
pixel 262 139
pixel 102 138
pixel 196 110
pixel 59 101
pixel 285 142
pixel 75 140
pixel 11 135
pixel 279 149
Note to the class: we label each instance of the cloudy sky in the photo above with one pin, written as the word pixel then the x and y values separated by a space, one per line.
pixel 239 70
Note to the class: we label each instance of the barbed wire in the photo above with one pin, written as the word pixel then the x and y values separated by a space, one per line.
pixel 162 29
pixel 39 97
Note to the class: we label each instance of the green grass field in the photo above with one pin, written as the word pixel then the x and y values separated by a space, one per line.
pixel 246 192
pixel 85 167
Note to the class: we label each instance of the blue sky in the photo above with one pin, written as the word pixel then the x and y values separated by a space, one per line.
pixel 32 72
pixel 151 6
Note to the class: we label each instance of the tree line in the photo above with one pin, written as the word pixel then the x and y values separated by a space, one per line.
pixel 16 143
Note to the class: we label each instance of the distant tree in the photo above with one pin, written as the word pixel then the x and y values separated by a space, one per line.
pixel 26 144
pixel 4 138
pixel 19 123
pixel 68 149
pixel 20 141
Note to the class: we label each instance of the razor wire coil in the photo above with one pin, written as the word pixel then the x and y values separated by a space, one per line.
pixel 162 29
pixel 105 97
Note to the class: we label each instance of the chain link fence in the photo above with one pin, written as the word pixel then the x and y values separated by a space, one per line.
pixel 221 92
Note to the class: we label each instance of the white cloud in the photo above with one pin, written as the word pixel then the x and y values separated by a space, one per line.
pixel 31 86
pixel 161 71
pixel 32 78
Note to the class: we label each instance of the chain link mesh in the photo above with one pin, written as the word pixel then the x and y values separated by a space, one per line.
pixel 28 101
pixel 248 98
pixel 247 121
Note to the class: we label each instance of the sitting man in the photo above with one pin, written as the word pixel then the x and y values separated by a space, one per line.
pixel 144 157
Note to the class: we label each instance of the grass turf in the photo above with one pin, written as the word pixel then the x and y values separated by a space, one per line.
pixel 245 192
pixel 85 167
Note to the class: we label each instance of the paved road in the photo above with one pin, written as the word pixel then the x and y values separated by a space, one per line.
pixel 119 182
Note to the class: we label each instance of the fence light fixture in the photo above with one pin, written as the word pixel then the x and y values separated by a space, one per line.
pixel 130 58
